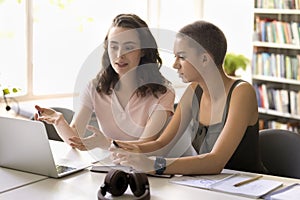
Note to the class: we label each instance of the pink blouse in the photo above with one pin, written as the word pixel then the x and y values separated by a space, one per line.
pixel 126 123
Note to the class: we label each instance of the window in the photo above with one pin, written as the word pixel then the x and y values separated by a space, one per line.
pixel 13 71
pixel 65 34
pixel 43 55
pixel 44 44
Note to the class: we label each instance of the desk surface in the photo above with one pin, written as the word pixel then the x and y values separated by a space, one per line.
pixel 11 179
pixel 85 184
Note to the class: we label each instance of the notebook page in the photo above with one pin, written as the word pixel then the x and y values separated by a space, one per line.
pixel 253 189
pixel 291 194
pixel 203 181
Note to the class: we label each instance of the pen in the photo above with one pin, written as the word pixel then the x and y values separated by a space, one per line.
pixel 116 144
pixel 247 181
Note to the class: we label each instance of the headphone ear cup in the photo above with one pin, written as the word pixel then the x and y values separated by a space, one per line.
pixel 105 187
pixel 139 185
pixel 117 182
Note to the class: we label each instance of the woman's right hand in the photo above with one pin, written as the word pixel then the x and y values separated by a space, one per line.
pixel 97 139
pixel 47 115
pixel 130 155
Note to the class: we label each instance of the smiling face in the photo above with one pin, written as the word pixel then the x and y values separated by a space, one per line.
pixel 124 49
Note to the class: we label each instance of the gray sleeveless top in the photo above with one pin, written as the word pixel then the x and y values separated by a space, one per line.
pixel 246 157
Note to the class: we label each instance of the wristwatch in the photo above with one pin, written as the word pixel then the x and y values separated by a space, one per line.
pixel 160 165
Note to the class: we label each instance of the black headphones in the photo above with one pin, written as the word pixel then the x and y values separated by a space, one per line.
pixel 117 181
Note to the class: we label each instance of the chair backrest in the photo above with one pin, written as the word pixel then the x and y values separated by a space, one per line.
pixel 280 152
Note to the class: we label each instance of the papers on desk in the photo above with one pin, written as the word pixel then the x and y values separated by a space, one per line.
pixel 225 183
pixel 291 192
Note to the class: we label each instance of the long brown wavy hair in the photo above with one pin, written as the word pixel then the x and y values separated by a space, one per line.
pixel 149 78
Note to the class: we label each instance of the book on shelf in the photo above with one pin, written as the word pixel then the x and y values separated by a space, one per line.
pixel 295 33
pixel 228 183
pixel 278 4
pixel 276 65
pixel 281 100
pixel 291 126
pixel 297 64
pixel 273 30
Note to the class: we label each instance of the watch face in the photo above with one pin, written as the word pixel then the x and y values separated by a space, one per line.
pixel 160 165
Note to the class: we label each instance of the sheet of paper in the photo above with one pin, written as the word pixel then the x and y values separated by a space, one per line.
pixel 225 182
pixel 290 194
pixel 205 181
pixel 255 188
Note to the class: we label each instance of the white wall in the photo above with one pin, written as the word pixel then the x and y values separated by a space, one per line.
pixel 235 18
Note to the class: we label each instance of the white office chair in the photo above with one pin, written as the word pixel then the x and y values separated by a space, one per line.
pixel 280 152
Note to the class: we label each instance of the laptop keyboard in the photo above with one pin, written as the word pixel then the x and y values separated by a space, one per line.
pixel 62 169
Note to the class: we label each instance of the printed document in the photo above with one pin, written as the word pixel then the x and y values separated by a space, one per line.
pixel 225 182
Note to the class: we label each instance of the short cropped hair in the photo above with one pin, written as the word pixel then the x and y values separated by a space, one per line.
pixel 209 37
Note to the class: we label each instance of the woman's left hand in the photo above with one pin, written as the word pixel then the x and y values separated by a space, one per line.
pixel 130 155
pixel 79 143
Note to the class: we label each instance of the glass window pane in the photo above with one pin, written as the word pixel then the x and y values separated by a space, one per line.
pixel 65 33
pixel 173 17
pixel 169 27
pixel 13 45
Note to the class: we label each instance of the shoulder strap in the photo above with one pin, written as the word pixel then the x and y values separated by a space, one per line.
pixel 196 102
pixel 197 136
pixel 225 113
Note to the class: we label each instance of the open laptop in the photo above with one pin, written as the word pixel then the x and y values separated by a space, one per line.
pixel 24 146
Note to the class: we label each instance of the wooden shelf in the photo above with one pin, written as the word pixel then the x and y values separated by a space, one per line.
pixel 275 80
pixel 276 45
pixel 276 11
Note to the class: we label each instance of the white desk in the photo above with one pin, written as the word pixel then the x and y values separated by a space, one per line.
pixel 11 179
pixel 85 185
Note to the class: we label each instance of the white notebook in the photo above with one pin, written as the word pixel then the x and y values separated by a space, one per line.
pixel 225 182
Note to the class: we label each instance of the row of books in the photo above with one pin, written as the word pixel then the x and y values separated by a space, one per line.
pixel 276 65
pixel 272 30
pixel 278 4
pixel 273 124
pixel 281 100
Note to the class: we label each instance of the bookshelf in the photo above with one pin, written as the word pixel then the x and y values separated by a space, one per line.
pixel 276 62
